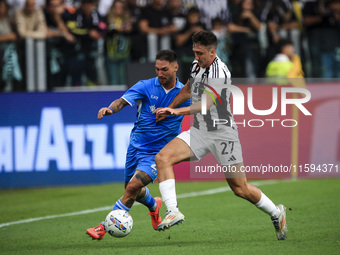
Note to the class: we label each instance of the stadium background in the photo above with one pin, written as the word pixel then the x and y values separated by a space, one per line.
pixel 61 169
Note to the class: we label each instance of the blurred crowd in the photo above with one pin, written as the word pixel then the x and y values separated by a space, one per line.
pixel 78 33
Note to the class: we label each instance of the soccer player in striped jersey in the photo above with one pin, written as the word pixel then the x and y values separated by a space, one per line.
pixel 208 74
pixel 147 137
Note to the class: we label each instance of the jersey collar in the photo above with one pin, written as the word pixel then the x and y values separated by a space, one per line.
pixel 178 86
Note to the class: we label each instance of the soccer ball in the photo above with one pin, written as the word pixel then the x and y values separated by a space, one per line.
pixel 118 223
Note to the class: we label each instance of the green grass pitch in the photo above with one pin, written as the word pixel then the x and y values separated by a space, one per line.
pixel 217 223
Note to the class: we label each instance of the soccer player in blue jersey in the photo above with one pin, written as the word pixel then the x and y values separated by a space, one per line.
pixel 147 137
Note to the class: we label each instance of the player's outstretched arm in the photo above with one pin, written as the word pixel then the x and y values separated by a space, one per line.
pixel 192 109
pixel 114 107
pixel 170 111
pixel 197 107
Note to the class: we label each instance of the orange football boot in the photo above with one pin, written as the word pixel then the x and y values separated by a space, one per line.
pixel 155 216
pixel 96 233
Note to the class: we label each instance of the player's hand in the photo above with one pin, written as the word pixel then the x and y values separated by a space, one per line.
pixel 104 112
pixel 160 117
pixel 162 113
pixel 168 111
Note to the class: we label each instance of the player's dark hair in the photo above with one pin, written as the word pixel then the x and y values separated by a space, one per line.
pixel 167 55
pixel 281 44
pixel 205 38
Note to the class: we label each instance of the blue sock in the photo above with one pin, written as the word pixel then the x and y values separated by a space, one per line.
pixel 148 200
pixel 119 205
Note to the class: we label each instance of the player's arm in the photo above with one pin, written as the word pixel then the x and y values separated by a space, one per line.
pixel 114 107
pixel 181 97
pixel 192 109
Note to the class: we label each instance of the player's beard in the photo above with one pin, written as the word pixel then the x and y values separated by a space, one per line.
pixel 164 81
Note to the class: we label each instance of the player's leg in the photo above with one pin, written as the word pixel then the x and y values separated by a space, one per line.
pixel 136 189
pixel 144 197
pixel 227 151
pixel 174 152
pixel 241 188
pixel 239 185
pixel 131 164
pixel 97 233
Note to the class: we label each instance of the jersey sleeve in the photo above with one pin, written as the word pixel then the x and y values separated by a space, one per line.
pixel 136 92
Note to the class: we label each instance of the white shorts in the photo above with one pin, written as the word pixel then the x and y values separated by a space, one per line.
pixel 227 151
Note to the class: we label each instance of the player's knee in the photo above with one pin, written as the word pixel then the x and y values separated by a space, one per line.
pixel 161 159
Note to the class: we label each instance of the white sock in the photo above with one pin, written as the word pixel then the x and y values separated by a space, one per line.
pixel 267 206
pixel 168 192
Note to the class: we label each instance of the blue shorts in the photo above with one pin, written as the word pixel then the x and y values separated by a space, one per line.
pixel 140 160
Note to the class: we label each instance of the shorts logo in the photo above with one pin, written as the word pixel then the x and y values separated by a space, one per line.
pixel 232 158
pixel 154 169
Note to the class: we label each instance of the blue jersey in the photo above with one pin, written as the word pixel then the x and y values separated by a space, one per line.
pixel 148 95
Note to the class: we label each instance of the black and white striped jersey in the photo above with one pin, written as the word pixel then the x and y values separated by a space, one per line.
pixel 213 80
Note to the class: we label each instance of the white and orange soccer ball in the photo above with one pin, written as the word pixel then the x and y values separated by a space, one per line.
pixel 118 223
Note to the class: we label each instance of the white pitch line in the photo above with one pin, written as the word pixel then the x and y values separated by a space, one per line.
pixel 105 208
pixel 220 190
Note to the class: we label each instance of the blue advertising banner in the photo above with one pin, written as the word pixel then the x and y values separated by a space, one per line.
pixel 56 139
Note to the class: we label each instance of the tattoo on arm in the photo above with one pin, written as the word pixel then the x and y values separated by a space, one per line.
pixel 118 104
